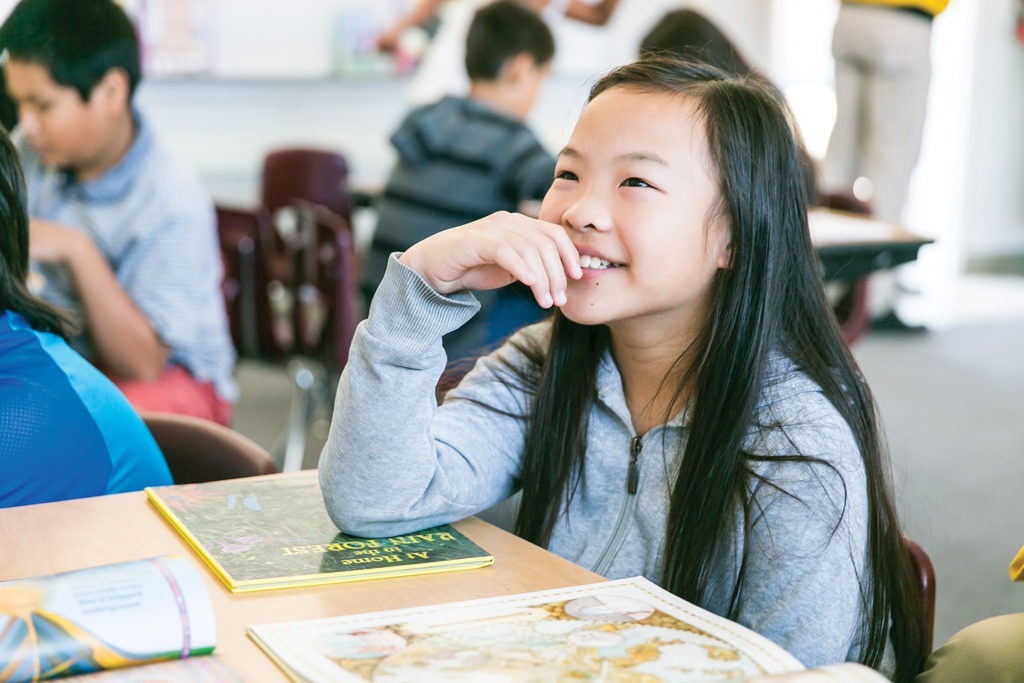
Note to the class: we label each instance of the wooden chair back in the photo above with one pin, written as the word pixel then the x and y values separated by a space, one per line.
pixel 319 176
pixel 198 450
pixel 325 284
pixel 926 575
pixel 246 243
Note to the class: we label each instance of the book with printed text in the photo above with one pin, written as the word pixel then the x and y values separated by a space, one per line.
pixel 109 617
pixel 262 533
pixel 624 630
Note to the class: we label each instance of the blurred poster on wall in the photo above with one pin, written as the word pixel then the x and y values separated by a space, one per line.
pixel 177 37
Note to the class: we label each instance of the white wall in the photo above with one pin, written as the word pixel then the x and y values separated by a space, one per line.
pixel 993 205
pixel 968 191
pixel 224 127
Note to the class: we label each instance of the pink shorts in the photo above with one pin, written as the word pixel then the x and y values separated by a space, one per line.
pixel 178 392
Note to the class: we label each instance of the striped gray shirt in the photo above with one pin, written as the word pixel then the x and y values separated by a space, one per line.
pixel 155 224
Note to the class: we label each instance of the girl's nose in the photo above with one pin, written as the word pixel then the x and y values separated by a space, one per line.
pixel 586 212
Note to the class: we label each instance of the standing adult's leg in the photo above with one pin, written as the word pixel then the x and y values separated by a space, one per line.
pixel 896 98
pixel 842 164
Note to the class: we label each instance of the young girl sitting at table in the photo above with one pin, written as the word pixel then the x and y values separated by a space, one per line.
pixel 690 412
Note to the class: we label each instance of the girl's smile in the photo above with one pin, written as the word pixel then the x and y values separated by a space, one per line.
pixel 596 266
pixel 595 263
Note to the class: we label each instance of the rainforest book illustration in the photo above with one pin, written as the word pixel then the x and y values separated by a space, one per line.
pixel 105 617
pixel 616 631
pixel 262 533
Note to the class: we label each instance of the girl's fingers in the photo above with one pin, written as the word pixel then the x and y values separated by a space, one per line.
pixel 570 257
pixel 553 257
pixel 495 250
pixel 553 266
pixel 560 260
pixel 523 257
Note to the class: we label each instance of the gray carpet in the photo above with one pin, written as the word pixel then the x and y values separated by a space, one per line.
pixel 952 402
pixel 953 406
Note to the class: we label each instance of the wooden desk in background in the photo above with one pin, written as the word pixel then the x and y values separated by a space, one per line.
pixel 56 537
pixel 851 246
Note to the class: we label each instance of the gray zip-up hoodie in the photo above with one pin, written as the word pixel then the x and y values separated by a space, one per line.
pixel 396 462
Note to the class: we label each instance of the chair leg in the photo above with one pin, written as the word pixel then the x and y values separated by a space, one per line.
pixel 304 380
pixel 323 396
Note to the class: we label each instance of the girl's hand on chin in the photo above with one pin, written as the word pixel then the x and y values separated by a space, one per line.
pixel 496 251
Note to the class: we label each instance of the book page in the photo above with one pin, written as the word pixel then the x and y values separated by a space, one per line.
pixel 103 618
pixel 624 630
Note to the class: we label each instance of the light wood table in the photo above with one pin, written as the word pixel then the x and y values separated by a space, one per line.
pixel 56 537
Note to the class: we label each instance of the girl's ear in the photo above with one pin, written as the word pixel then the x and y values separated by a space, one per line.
pixel 721 243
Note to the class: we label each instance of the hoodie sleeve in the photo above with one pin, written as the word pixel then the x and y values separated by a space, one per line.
pixel 395 461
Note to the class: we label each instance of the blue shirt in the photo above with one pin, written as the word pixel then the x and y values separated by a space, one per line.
pixel 65 429
pixel 155 224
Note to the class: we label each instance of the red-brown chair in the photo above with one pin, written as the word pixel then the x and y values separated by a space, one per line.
pixel 319 176
pixel 246 240
pixel 324 301
pixel 293 301
pixel 198 450
pixel 926 575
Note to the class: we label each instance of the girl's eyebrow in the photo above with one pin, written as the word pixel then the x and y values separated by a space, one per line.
pixel 642 157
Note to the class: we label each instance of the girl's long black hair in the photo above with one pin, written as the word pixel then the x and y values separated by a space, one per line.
pixel 14 293
pixel 770 300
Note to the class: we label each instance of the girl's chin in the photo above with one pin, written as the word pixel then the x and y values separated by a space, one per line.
pixel 582 315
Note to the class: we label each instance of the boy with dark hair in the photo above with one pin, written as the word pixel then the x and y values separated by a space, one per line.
pixel 121 234
pixel 463 158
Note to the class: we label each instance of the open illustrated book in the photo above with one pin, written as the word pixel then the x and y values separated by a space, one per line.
pixel 260 533
pixel 614 631
pixel 110 617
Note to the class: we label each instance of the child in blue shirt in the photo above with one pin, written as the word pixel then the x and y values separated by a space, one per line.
pixel 65 429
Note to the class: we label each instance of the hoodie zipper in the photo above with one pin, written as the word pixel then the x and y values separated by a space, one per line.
pixel 604 560
pixel 633 473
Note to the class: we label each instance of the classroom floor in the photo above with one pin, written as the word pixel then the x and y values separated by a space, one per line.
pixel 951 401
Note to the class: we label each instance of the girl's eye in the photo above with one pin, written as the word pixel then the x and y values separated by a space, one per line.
pixel 635 182
pixel 565 175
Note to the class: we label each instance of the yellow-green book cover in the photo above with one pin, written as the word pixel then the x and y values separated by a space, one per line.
pixel 262 533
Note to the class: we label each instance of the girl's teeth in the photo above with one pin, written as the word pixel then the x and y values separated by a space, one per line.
pixel 587 261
